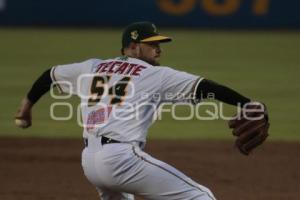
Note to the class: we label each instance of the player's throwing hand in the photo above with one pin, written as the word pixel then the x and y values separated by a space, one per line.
pixel 23 116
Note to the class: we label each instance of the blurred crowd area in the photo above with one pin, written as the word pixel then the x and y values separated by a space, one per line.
pixel 229 14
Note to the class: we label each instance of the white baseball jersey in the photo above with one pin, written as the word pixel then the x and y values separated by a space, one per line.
pixel 120 96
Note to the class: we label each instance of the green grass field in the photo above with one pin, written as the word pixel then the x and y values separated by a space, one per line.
pixel 262 65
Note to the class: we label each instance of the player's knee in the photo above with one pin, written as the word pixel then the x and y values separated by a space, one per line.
pixel 206 194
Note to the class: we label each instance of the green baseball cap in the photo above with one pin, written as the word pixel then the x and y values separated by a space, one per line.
pixel 140 32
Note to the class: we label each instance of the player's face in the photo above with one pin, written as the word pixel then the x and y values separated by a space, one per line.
pixel 150 52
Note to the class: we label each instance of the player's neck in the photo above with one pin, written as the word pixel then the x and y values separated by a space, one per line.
pixel 130 53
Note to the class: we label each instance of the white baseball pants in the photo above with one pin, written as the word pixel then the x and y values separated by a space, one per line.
pixel 119 170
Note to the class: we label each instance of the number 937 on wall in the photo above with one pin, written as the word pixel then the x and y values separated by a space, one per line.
pixel 214 7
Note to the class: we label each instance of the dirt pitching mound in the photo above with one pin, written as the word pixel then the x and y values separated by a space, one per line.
pixel 32 169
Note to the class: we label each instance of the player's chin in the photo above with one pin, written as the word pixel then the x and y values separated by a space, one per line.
pixel 153 61
pixel 156 61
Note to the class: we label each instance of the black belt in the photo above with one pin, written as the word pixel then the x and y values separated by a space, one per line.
pixel 104 140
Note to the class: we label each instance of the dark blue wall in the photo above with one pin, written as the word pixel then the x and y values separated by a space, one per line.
pixel 178 13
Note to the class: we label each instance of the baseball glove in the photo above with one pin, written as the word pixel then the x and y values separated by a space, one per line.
pixel 250 127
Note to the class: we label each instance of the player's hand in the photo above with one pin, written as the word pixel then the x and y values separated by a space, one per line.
pixel 23 115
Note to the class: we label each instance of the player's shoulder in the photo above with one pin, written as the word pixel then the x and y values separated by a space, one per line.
pixel 171 73
pixel 165 69
pixel 89 61
pixel 160 72
pixel 89 65
pixel 83 63
pixel 137 61
pixel 92 61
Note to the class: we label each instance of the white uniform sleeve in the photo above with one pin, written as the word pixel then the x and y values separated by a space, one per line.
pixel 178 86
pixel 66 76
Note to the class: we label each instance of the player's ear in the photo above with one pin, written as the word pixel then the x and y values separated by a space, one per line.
pixel 134 49
pixel 138 49
pixel 133 46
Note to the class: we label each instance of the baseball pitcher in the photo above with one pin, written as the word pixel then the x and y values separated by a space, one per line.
pixel 119 98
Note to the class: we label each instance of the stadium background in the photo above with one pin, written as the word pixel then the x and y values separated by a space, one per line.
pixel 250 45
